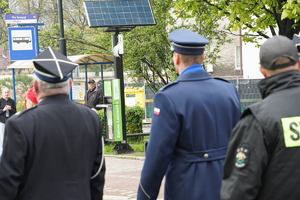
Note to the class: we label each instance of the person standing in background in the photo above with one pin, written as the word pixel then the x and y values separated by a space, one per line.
pixel 93 95
pixel 7 109
pixel 30 100
pixel 191 125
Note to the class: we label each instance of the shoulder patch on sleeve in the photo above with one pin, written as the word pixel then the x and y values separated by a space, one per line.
pixel 168 85
pixel 242 157
pixel 221 79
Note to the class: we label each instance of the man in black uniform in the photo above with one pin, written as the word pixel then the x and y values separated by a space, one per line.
pixel 262 161
pixel 53 151
pixel 93 95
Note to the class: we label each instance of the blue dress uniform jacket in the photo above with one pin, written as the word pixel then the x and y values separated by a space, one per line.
pixel 191 125
pixel 51 151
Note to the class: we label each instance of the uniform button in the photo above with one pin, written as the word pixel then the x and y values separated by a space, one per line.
pixel 206 155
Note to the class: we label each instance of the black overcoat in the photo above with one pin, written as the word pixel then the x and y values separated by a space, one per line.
pixel 51 151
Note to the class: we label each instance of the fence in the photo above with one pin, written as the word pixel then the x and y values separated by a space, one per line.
pixel 247 89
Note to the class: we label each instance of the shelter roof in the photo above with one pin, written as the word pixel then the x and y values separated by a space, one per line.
pixel 87 59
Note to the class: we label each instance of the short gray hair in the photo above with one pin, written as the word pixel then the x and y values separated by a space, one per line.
pixel 5 88
pixel 46 87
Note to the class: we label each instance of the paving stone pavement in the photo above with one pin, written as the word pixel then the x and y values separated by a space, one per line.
pixel 122 177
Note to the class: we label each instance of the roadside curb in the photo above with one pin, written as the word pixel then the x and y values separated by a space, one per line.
pixel 126 157
pixel 109 197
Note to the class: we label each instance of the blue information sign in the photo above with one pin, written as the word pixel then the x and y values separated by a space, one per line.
pixel 22 43
pixel 19 19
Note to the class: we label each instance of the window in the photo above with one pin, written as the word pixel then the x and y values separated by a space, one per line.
pixel 237 58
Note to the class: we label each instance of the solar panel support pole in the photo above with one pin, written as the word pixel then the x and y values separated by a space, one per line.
pixel 119 74
pixel 62 39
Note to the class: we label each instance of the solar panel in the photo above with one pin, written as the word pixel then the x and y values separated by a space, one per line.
pixel 119 13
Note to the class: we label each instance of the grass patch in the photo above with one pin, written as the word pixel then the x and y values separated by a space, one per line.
pixel 108 149
pixel 138 148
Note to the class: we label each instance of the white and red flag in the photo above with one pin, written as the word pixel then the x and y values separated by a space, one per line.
pixel 156 111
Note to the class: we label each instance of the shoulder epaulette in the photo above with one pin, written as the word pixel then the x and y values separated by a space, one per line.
pixel 168 85
pixel 25 110
pixel 246 112
pixel 221 79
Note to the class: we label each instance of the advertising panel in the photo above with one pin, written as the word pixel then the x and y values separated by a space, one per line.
pixel 117 110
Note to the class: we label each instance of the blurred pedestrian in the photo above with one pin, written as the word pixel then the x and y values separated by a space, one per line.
pixel 55 149
pixel 262 161
pixel 7 109
pixel 191 125
pixel 30 100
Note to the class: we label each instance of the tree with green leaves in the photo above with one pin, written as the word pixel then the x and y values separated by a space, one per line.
pixel 147 49
pixel 255 18
pixel 22 83
pixel 3 33
pixel 79 41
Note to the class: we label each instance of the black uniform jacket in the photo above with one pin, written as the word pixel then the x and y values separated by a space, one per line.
pixel 51 151
pixel 263 156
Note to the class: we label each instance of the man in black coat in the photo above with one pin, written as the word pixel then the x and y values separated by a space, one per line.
pixel 7 109
pixel 7 106
pixel 93 95
pixel 262 161
pixel 54 150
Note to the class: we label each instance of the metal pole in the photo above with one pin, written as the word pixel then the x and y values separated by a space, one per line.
pixel 62 39
pixel 120 75
pixel 102 81
pixel 36 32
pixel 14 85
pixel 145 103
pixel 86 77
pixel 241 53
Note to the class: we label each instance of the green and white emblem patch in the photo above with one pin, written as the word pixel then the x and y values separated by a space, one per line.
pixel 242 157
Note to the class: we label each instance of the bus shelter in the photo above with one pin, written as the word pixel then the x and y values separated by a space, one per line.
pixel 87 59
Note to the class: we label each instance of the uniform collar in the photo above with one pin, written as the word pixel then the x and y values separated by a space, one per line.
pixel 279 82
pixel 192 68
pixel 53 98
pixel 198 75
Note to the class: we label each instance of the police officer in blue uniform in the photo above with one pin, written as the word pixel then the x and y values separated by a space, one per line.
pixel 54 150
pixel 191 125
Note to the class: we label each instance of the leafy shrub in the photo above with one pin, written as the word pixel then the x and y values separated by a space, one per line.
pixel 20 106
pixel 134 122
pixel 103 121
